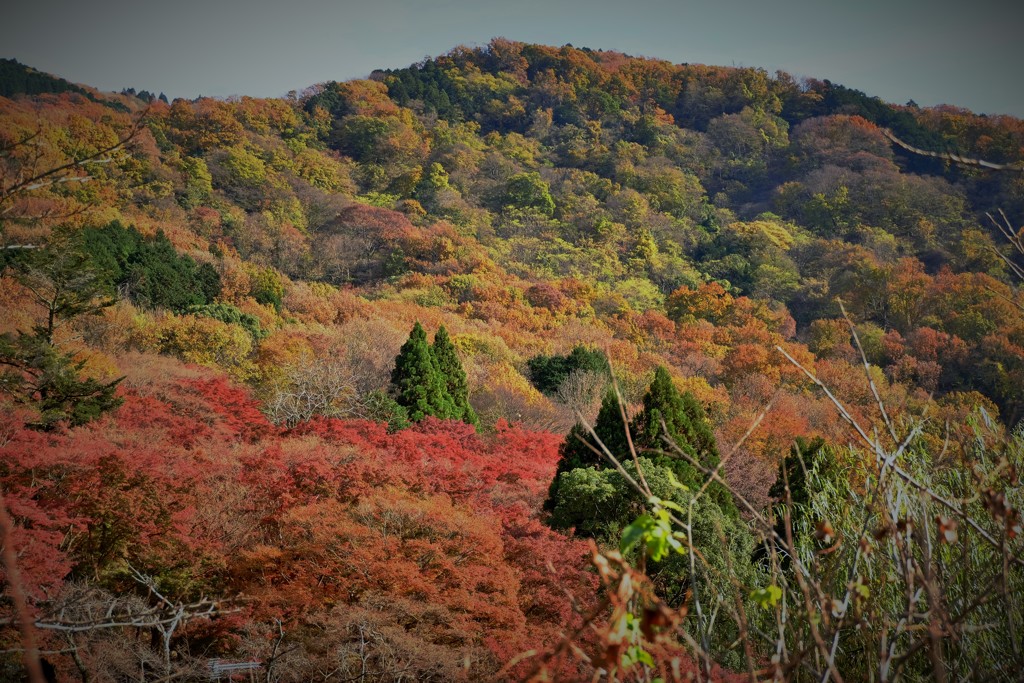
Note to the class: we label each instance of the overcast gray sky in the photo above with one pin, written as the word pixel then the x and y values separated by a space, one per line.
pixel 968 54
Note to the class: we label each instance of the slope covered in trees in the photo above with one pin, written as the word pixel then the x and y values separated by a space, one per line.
pixel 19 79
pixel 421 543
pixel 223 290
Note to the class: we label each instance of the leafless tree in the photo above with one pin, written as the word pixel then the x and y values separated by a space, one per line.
pixel 341 383
pixel 316 386
pixel 93 623
pixel 581 390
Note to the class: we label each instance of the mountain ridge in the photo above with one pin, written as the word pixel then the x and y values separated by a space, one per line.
pixel 203 303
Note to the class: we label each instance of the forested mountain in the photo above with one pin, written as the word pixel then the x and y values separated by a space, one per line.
pixel 214 406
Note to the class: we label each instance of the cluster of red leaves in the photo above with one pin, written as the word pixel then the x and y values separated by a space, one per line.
pixel 431 531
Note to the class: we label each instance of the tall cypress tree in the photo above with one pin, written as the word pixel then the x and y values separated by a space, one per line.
pixel 418 385
pixel 575 452
pixel 680 418
pixel 453 377
pixel 683 417
pixel 666 413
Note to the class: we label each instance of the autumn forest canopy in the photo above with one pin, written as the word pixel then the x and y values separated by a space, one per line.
pixel 520 363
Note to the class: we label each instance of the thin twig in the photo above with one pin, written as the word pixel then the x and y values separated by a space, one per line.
pixel 867 373
pixel 903 474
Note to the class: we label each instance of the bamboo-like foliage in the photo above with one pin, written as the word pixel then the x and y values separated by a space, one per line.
pixel 890 563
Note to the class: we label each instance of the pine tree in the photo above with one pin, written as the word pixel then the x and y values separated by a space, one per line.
pixel 66 284
pixel 64 281
pixel 35 372
pixel 576 452
pixel 666 413
pixel 453 377
pixel 418 386
pixel 681 419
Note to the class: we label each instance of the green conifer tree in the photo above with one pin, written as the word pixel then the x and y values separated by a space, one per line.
pixel 418 385
pixel 36 373
pixel 576 452
pixel 65 283
pixel 682 416
pixel 681 419
pixel 666 412
pixel 454 377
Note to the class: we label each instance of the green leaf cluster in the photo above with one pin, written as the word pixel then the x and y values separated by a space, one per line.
pixel 600 503
pixel 227 313
pixel 766 597
pixel 579 452
pixel 669 420
pixel 548 372
pixel 37 373
pixel 654 531
pixel 151 271
pixel 267 288
pixel 529 191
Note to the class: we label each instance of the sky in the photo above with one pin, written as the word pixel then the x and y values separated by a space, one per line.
pixel 967 54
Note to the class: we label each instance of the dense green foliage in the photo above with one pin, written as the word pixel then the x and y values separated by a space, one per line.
pixel 872 541
pixel 449 367
pixel 64 280
pixel 418 386
pixel 592 497
pixel 669 420
pixel 65 284
pixel 428 379
pixel 18 79
pixel 579 450
pixel 601 503
pixel 226 313
pixel 790 486
pixel 150 270
pixel 548 372
pixel 382 408
pixel 37 373
pixel 672 420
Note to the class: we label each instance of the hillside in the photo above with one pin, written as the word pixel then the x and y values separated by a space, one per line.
pixel 203 302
